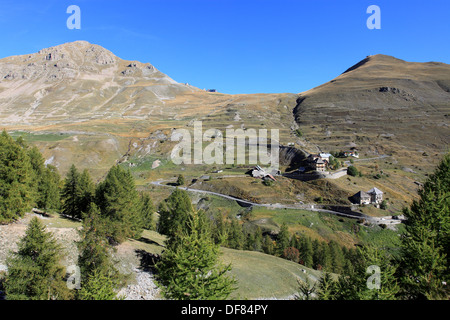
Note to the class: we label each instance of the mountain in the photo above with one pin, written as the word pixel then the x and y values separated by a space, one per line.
pixel 82 104
pixel 79 103
pixel 381 105
pixel 76 82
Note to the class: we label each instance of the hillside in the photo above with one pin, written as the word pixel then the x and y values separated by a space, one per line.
pixel 275 278
pixel 84 105
pixel 381 105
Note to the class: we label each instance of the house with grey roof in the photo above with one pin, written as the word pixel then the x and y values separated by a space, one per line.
pixel 373 196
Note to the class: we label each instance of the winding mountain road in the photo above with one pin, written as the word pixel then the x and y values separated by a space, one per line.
pixel 355 215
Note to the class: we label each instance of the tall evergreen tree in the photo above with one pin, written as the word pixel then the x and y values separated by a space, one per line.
pixel 37 172
pixel 175 212
pixel 48 190
pixel 34 271
pixel 189 268
pixel 87 191
pixel 267 245
pixel 236 237
pixel 119 203
pixel 306 252
pixel 99 277
pixel 71 194
pixel 16 194
pixel 356 283
pixel 424 268
pixel 147 210
pixel 337 257
pixel 283 239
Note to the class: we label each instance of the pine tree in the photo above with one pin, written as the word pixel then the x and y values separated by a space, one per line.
pixel 326 287
pixel 174 212
pixel 71 194
pixel 189 268
pixel 87 191
pixel 219 229
pixel 180 180
pixel 147 211
pixel 93 247
pixel 16 196
pixel 48 190
pixel 327 262
pixel 282 239
pixel 306 252
pixel 424 268
pixel 354 284
pixel 119 203
pixel 98 286
pixel 99 277
pixel 34 271
pixel 267 245
pixel 236 236
pixel 37 172
pixel 337 257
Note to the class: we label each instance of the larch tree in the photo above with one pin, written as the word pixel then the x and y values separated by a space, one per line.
pixel 424 267
pixel 35 271
pixel 189 268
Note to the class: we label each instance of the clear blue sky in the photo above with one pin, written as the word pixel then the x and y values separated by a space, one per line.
pixel 236 46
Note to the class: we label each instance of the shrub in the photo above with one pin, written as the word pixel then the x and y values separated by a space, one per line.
pixel 352 171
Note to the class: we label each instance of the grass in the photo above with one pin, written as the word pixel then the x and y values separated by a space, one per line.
pixel 263 276
pixel 325 227
pixel 39 137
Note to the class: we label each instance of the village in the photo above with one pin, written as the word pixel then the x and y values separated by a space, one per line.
pixel 325 165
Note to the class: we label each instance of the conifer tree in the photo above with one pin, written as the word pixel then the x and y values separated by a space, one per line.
pixel 236 237
pixel 326 287
pixel 119 203
pixel 174 212
pixel 16 194
pixel 71 194
pixel 48 190
pixel 98 286
pixel 87 191
pixel 267 245
pixel 180 180
pixel 147 210
pixel 37 172
pixel 34 271
pixel 189 268
pixel 337 257
pixel 424 268
pixel 354 284
pixel 99 277
pixel 283 239
pixel 306 252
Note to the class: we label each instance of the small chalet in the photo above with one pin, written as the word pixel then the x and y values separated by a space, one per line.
pixel 258 172
pixel 376 195
pixel 362 198
pixel 373 196
pixel 319 164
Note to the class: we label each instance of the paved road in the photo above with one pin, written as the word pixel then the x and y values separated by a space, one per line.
pixel 381 220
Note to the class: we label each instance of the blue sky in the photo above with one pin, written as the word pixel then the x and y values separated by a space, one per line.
pixel 237 46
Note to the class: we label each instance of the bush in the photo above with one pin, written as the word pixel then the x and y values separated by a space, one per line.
pixel 298 133
pixel 352 171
